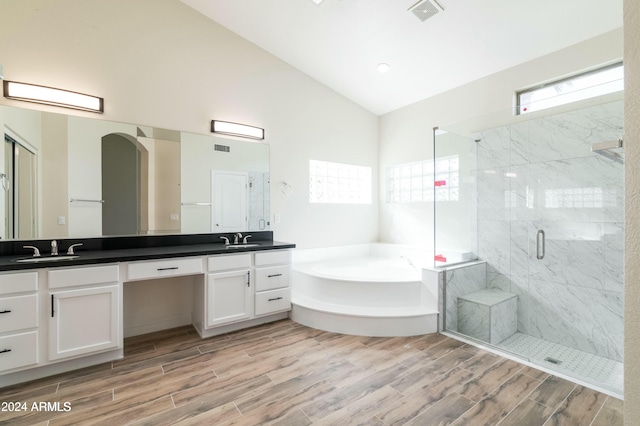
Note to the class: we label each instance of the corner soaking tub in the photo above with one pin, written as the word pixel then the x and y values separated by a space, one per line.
pixel 372 290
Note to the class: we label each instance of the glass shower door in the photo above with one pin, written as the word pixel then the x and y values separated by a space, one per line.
pixel 548 282
pixel 567 244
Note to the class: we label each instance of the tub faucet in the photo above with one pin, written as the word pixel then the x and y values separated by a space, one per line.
pixel 408 260
pixel 236 237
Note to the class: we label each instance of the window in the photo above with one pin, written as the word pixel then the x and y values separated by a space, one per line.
pixel 339 183
pixel 579 87
pixel 580 198
pixel 419 182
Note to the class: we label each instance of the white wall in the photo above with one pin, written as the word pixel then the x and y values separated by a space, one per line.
pixel 159 63
pixel 632 212
pixel 407 134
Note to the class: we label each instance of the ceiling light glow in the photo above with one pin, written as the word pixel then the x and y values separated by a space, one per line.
pixel 383 68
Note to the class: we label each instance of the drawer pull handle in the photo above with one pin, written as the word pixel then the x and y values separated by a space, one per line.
pixel 274 275
pixel 169 269
pixel 5 351
pixel 6 311
pixel 275 298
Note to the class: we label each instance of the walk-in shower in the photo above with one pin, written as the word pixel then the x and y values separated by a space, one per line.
pixel 540 201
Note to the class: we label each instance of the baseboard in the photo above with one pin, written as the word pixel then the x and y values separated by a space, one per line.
pixel 157 325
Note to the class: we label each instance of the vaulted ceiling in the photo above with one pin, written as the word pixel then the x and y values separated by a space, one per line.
pixel 341 42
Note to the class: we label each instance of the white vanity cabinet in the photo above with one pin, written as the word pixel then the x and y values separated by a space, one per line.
pixel 85 311
pixel 229 289
pixel 18 320
pixel 273 282
pixel 56 319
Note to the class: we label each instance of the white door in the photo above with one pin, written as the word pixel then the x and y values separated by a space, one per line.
pixel 228 297
pixel 229 213
pixel 83 321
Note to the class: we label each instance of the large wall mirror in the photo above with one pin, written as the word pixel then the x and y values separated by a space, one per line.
pixel 65 176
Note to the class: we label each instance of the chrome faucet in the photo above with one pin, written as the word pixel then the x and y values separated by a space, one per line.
pixel 244 240
pixel 71 247
pixel 54 248
pixel 236 237
pixel 226 240
pixel 36 252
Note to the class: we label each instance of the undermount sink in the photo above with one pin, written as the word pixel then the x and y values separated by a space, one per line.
pixel 234 246
pixel 46 258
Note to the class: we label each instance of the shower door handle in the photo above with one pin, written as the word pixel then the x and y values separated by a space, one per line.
pixel 540 244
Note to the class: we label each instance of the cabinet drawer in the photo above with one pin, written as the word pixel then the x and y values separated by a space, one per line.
pixel 18 313
pixel 82 276
pixel 234 261
pixel 164 268
pixel 273 301
pixel 274 257
pixel 272 277
pixel 18 283
pixel 18 350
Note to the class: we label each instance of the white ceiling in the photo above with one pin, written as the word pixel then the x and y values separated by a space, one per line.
pixel 341 42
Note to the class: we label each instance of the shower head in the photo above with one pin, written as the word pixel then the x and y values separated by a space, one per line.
pixel 606 149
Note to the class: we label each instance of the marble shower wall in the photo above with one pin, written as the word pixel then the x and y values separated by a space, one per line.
pixel 460 280
pixel 541 175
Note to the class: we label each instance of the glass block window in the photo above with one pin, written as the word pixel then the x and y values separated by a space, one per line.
pixel 422 182
pixel 339 183
pixel 579 198
pixel 579 87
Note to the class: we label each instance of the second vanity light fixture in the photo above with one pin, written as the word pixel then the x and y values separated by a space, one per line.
pixel 236 129
pixel 51 96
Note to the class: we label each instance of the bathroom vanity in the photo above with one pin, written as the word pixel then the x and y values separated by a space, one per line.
pixel 59 313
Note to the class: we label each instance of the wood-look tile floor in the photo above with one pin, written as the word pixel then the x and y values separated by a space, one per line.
pixel 286 374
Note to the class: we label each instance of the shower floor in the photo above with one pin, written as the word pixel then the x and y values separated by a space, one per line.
pixel 596 370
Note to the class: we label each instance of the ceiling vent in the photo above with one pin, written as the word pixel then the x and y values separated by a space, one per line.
pixel 425 9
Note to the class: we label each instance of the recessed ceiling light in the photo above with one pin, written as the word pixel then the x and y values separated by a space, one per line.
pixel 317 1
pixel 383 68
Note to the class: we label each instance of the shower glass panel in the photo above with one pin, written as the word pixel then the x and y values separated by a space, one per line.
pixel 455 195
pixel 547 221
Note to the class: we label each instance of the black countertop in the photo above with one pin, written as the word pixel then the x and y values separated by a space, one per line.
pixel 127 249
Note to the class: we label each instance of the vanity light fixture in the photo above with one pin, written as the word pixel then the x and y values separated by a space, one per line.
pixel 51 96
pixel 235 129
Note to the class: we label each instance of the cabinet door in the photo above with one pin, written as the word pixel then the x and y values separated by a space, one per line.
pixel 228 297
pixel 84 321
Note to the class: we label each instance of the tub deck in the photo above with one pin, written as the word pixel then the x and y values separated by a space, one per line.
pixel 370 304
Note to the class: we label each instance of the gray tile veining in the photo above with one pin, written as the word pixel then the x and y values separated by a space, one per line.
pixel 541 174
